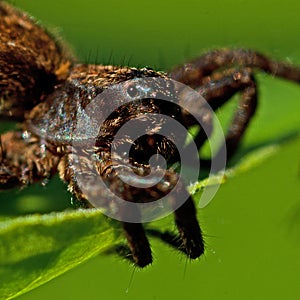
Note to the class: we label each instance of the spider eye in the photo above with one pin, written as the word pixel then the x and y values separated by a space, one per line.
pixel 132 91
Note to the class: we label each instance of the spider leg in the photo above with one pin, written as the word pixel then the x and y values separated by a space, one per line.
pixel 109 170
pixel 218 92
pixel 134 232
pixel 24 161
pixel 189 229
pixel 138 243
pixel 190 240
pixel 194 72
pixel 218 89
pixel 203 73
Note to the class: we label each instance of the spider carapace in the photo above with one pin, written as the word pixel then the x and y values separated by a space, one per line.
pixel 42 85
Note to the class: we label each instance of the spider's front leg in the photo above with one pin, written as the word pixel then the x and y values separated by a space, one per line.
pixel 158 184
pixel 217 90
pixel 195 72
pixel 219 74
pixel 220 88
pixel 24 160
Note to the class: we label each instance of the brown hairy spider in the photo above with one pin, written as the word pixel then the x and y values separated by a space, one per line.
pixel 42 86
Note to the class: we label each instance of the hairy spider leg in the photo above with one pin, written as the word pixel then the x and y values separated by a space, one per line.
pixel 138 243
pixel 194 72
pixel 218 91
pixel 212 76
pixel 185 216
pixel 24 161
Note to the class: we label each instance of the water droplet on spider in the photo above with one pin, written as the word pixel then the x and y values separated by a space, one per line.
pixel 43 150
pixel 164 186
pixel 45 182
pixel 26 135
pixel 13 44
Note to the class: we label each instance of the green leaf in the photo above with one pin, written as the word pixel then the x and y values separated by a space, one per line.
pixel 34 249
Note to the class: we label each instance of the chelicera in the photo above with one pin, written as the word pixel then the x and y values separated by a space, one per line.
pixel 41 85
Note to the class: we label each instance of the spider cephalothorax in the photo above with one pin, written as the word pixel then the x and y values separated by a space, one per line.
pixel 43 87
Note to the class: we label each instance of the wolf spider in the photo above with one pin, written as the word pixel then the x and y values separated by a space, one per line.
pixel 38 75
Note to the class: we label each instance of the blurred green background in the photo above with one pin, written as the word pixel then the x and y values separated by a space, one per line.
pixel 252 226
